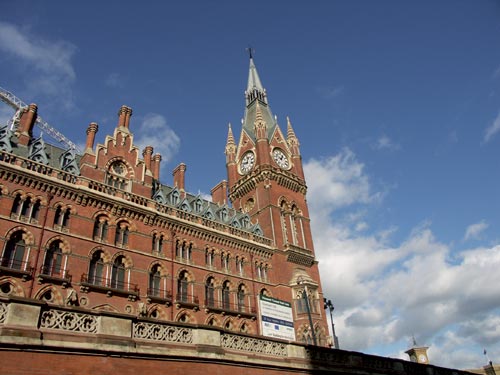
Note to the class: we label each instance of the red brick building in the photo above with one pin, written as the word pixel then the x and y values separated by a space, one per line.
pixel 102 231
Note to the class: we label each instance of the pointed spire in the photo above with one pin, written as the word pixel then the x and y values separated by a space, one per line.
pixel 230 144
pixel 289 130
pixel 291 138
pixel 255 90
pixel 260 124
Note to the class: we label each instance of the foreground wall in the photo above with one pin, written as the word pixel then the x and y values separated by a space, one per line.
pixel 37 338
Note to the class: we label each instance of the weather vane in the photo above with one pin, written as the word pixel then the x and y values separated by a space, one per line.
pixel 250 51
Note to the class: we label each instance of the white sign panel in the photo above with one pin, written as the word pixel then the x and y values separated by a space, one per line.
pixel 277 318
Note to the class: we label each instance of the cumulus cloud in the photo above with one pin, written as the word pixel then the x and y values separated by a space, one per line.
pixel 474 230
pixel 384 290
pixel 493 129
pixel 154 131
pixel 46 63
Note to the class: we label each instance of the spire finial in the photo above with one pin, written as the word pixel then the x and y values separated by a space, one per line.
pixel 250 51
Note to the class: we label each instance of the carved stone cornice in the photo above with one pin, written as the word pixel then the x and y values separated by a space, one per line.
pixel 267 173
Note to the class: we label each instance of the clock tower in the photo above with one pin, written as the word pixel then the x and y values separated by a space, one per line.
pixel 418 353
pixel 266 181
pixel 265 173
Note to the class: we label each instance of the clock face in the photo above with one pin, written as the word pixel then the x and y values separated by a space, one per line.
pixel 280 158
pixel 247 162
pixel 422 358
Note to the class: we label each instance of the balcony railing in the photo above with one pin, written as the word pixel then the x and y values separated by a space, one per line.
pixel 16 267
pixel 159 295
pixel 226 306
pixel 186 299
pixel 54 274
pixel 110 286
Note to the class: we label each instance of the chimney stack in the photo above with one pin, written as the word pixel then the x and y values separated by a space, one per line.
pixel 147 154
pixel 219 193
pixel 26 124
pixel 155 165
pixel 91 132
pixel 179 174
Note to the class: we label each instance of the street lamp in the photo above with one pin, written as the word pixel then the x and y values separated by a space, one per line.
pixel 329 305
pixel 305 296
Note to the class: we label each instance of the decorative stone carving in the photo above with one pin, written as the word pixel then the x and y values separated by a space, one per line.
pixel 69 321
pixel 163 332
pixel 253 345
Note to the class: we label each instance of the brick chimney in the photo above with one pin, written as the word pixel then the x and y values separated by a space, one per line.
pixel 155 166
pixel 148 154
pixel 91 132
pixel 124 117
pixel 179 174
pixel 219 193
pixel 26 124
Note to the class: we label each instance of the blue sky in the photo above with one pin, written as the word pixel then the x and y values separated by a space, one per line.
pixel 396 105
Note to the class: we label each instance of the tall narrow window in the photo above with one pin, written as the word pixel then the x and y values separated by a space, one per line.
pixel 155 281
pixel 15 248
pixel 121 234
pixel 25 209
pixel 182 286
pixel 52 264
pixel 226 295
pixel 241 298
pixel 118 273
pixel 16 206
pixel 210 292
pixel 96 269
pixel 101 229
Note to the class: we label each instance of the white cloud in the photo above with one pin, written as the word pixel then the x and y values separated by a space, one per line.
pixel 114 80
pixel 385 143
pixel 474 230
pixel 154 131
pixel 492 129
pixel 46 63
pixel 383 292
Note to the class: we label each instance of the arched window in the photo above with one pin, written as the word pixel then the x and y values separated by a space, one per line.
pixel 241 297
pixel 96 269
pixel 210 292
pixel 239 265
pixel 101 229
pixel 121 234
pixel 25 209
pixel 118 273
pixel 157 243
pixel 182 286
pixel 61 218
pixel 155 281
pixel 225 262
pixel 226 302
pixel 16 205
pixel 13 256
pixel 52 264
pixel 209 257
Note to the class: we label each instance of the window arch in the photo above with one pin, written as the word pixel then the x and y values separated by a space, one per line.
pixel 61 217
pixel 226 295
pixel 121 234
pixel 14 252
pixel 210 292
pixel 155 281
pixel 182 286
pixel 118 273
pixel 209 257
pixel 96 269
pixel 157 242
pixel 26 209
pixel 100 232
pixel 241 297
pixel 52 264
pixel 117 175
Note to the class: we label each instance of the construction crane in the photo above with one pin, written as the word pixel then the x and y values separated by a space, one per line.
pixel 18 105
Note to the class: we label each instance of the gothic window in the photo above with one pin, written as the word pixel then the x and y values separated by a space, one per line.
pixel 61 217
pixel 198 205
pixel 101 228
pixel 209 257
pixel 293 227
pixel 121 234
pixel 52 264
pixel 239 265
pixel 13 256
pixel 210 292
pixel 155 281
pixel 117 175
pixel 118 273
pixel 225 262
pixel 96 269
pixel 25 208
pixel 226 295
pixel 224 214
pixel 16 205
pixel 283 221
pixel 183 250
pixel 157 243
pixel 182 286
pixel 241 297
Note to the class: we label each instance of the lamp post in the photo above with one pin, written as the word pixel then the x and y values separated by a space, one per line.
pixel 305 296
pixel 329 305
